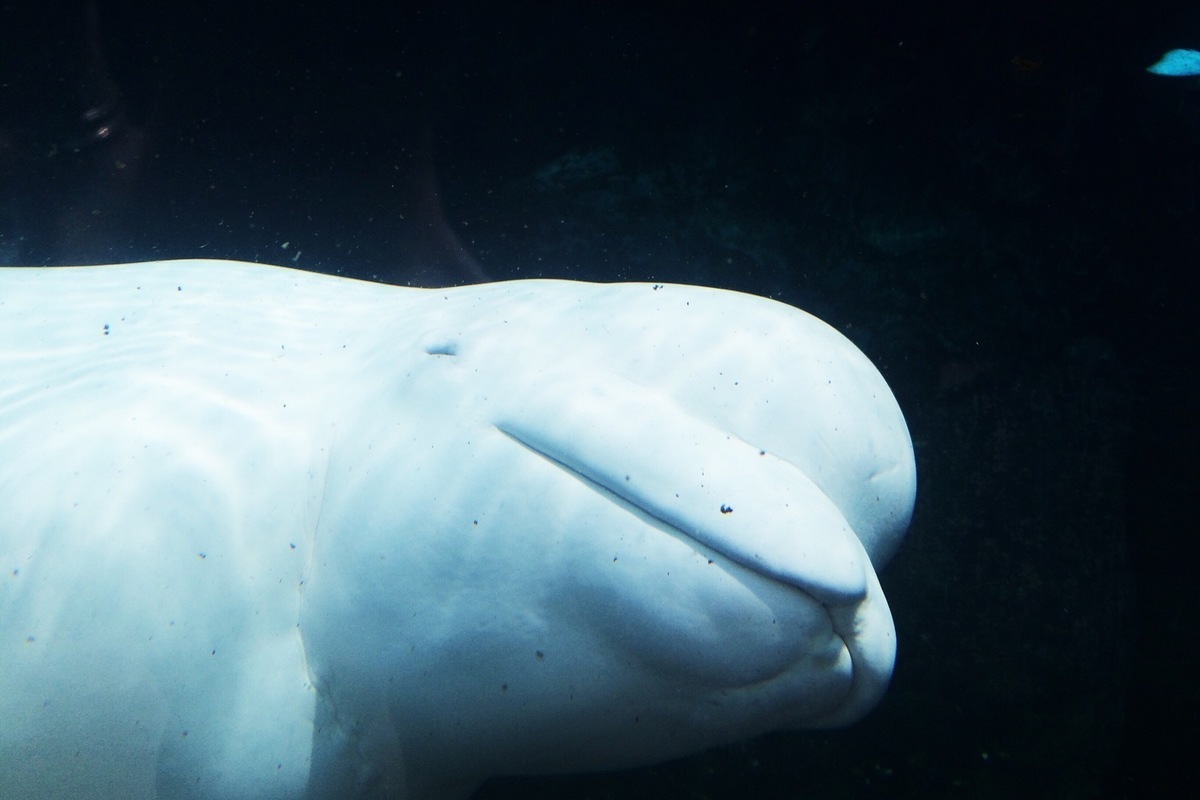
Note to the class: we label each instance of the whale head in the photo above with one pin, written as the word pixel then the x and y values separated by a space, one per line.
pixel 660 531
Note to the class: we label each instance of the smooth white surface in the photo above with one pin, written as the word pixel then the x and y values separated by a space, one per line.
pixel 272 534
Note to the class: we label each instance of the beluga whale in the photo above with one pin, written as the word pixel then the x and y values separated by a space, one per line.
pixel 276 535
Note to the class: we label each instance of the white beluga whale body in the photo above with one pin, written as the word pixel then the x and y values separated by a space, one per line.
pixel 274 534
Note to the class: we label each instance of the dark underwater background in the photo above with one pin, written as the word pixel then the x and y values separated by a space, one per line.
pixel 994 200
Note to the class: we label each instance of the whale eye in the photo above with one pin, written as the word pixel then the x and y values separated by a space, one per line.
pixel 442 347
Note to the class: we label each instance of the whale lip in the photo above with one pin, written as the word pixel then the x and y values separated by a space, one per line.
pixel 754 508
pixel 853 599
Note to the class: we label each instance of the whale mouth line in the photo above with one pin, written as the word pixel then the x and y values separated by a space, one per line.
pixel 612 494
pixel 642 448
pixel 766 536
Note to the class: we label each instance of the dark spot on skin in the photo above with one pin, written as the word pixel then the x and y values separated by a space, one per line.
pixel 762 452
pixel 292 545
pixel 504 687
pixel 540 655
pixel 726 509
pixel 202 555
pixel 106 329
pixel 183 735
